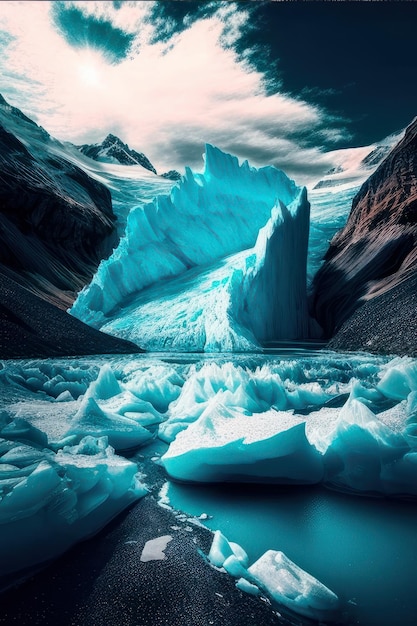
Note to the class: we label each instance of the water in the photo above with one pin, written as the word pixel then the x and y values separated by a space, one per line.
pixel 364 549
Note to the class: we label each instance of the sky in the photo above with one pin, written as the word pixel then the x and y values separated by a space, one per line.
pixel 282 83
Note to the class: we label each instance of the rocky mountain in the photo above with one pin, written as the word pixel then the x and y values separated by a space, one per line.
pixel 373 259
pixel 56 222
pixel 56 225
pixel 171 175
pixel 113 150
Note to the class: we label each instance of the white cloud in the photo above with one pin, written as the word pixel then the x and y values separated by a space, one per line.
pixel 164 102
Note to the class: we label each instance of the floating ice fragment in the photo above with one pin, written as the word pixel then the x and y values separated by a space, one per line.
pixel 221 549
pixel 225 444
pixel 287 584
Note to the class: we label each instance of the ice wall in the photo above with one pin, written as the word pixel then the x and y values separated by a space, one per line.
pixel 275 288
pixel 219 264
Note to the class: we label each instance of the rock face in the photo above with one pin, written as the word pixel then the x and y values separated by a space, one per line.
pixel 56 223
pixel 113 150
pixel 387 323
pixel 172 175
pixel 372 256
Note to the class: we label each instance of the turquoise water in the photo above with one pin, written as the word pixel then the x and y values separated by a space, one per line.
pixel 364 549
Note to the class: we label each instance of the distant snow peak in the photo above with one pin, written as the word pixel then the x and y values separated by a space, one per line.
pixel 352 166
pixel 113 150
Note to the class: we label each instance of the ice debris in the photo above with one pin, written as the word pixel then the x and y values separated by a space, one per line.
pixel 276 576
pixel 49 501
pixel 154 549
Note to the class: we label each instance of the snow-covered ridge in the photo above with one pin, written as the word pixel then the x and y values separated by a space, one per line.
pixel 352 166
pixel 113 150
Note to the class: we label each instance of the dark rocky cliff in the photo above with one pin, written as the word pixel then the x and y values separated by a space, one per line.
pixel 56 225
pixel 372 256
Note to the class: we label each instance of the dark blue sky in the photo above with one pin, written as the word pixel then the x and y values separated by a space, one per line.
pixel 356 59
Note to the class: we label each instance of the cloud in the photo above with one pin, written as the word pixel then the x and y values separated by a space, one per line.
pixel 166 98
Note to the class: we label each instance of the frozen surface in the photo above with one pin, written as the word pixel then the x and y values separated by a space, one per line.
pixel 348 421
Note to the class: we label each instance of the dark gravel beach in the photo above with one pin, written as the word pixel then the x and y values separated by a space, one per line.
pixel 103 581
pixel 30 327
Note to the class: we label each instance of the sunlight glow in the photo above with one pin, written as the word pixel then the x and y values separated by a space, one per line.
pixel 90 69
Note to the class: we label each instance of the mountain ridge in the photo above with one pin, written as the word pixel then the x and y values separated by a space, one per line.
pixel 112 149
pixel 56 225
pixel 372 255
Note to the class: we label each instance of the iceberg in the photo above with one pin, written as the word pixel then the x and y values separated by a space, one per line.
pixel 226 445
pixel 195 267
pixel 51 500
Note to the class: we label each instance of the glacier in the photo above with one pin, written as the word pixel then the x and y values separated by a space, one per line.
pixel 194 269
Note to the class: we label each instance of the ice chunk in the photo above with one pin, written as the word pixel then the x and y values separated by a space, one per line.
pixel 154 549
pixel 123 433
pixel 221 549
pixel 19 429
pixel 50 501
pixel 287 584
pixel 158 385
pixel 399 378
pixel 227 445
pixel 105 386
pixel 31 494
pixel 356 445
pixel 247 587
pixel 129 405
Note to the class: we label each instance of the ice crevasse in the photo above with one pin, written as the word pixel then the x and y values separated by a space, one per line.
pixel 219 264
